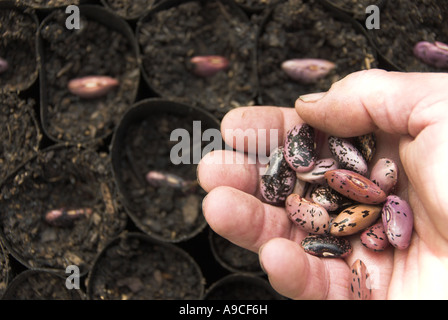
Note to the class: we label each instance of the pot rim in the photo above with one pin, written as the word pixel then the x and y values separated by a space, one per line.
pixel 142 110
pixel 150 240
pixel 16 254
pixel 110 20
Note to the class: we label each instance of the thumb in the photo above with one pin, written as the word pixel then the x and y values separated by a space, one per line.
pixel 397 103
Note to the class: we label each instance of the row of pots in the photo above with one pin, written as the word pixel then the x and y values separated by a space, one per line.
pixel 78 178
pixel 134 266
pixel 104 190
pixel 173 31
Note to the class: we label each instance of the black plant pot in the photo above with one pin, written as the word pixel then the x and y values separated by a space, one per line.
pixel 18 27
pixel 175 31
pixel 354 8
pixel 297 29
pixel 136 267
pixel 405 23
pixel 19 132
pixel 41 285
pixel 46 5
pixel 5 270
pixel 241 287
pixel 69 180
pixel 104 45
pixel 255 6
pixel 142 143
pixel 130 10
pixel 232 257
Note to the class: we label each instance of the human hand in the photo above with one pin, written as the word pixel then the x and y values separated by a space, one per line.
pixel 409 113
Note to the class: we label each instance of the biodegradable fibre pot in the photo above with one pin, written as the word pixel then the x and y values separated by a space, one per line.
pixel 232 257
pixel 354 8
pixel 404 24
pixel 18 27
pixel 136 267
pixel 59 209
pixel 130 10
pixel 174 32
pixel 104 45
pixel 19 132
pixel 164 139
pixel 238 286
pixel 298 29
pixel 41 285
pixel 5 270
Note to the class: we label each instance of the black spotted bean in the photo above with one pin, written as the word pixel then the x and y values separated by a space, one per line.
pixel 355 219
pixel 360 287
pixel 300 148
pixel 279 179
pixel 316 175
pixel 326 246
pixel 329 198
pixel 309 216
pixel 355 186
pixel 374 237
pixel 366 144
pixel 398 221
pixel 385 174
pixel 348 156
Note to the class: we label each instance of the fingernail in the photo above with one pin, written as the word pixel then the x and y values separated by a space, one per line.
pixel 259 258
pixel 312 97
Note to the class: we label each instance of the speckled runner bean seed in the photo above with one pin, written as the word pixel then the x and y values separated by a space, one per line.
pixel 309 216
pixel 316 175
pixel 207 66
pixel 398 221
pixel 374 237
pixel 278 181
pixel 355 219
pixel 385 174
pixel 329 198
pixel 355 186
pixel 348 156
pixel 66 217
pixel 326 246
pixel 91 87
pixel 366 144
pixel 307 70
pixel 300 148
pixel 433 54
pixel 360 287
pixel 4 66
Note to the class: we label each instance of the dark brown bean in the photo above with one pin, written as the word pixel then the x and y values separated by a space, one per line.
pixel 327 246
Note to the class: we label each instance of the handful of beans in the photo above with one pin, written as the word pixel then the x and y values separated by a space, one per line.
pixel 335 197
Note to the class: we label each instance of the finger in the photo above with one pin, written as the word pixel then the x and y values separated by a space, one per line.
pixel 298 275
pixel 395 102
pixel 245 220
pixel 228 168
pixel 257 129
